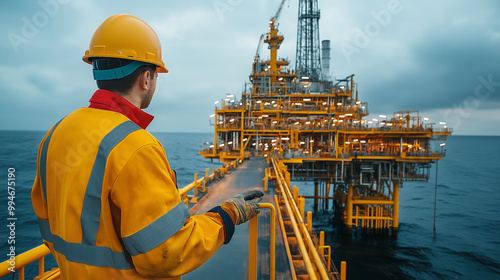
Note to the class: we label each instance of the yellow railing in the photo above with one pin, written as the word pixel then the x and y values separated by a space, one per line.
pixel 20 261
pixel 252 249
pixel 200 184
pixel 302 230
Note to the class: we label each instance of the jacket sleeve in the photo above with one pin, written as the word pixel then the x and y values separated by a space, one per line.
pixel 37 197
pixel 155 225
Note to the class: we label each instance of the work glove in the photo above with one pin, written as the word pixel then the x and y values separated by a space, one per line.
pixel 247 204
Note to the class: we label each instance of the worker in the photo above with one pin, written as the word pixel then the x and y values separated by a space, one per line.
pixel 104 193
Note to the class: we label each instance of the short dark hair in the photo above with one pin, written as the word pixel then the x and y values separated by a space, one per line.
pixel 124 84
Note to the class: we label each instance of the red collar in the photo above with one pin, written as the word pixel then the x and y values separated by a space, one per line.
pixel 108 100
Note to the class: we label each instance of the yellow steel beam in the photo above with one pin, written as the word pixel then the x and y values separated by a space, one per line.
pixel 253 238
pixel 373 202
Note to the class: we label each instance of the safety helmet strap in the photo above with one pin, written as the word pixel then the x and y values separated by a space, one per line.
pixel 117 73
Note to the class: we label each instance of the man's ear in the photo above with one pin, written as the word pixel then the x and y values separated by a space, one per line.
pixel 144 80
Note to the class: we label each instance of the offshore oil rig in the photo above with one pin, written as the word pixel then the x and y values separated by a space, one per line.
pixel 314 127
pixel 309 127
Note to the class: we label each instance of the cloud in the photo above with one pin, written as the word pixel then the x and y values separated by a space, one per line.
pixel 430 56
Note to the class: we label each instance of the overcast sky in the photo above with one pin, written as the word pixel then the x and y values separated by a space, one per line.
pixel 439 57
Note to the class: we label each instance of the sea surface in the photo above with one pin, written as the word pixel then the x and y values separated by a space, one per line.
pixel 465 245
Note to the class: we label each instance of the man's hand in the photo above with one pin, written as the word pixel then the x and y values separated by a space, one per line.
pixel 247 204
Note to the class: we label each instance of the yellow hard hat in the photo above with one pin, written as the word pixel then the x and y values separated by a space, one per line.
pixel 126 37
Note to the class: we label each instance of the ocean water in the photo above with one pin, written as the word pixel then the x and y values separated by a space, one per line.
pixel 465 245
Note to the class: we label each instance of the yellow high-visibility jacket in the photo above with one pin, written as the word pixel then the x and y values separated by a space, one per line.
pixel 108 206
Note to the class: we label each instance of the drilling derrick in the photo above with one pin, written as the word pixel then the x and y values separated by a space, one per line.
pixel 308 60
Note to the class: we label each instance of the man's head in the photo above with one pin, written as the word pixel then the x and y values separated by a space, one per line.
pixel 126 56
pixel 140 85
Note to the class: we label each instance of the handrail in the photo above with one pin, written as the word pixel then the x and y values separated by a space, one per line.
pixel 20 261
pixel 198 182
pixel 252 249
pixel 300 229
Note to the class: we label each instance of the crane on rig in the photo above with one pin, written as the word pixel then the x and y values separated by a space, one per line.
pixel 274 20
pixel 259 47
pixel 273 25
pixel 274 40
